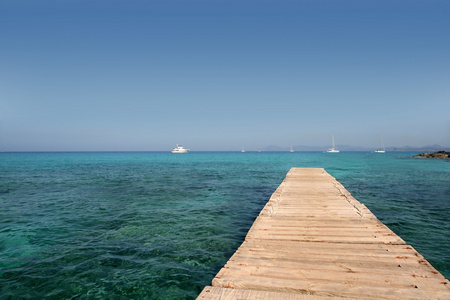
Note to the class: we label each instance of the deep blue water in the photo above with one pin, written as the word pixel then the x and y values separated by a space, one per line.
pixel 160 226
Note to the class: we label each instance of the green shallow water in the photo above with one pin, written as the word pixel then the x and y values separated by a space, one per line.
pixel 160 226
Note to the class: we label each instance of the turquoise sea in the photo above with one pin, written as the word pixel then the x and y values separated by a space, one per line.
pixel 159 226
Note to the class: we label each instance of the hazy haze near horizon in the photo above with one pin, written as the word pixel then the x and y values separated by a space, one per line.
pixel 216 75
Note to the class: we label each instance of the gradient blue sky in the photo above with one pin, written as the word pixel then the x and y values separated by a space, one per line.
pixel 218 74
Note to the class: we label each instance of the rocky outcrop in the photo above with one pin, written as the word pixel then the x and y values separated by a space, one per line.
pixel 439 154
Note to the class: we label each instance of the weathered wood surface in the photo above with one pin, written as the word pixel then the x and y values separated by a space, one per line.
pixel 313 240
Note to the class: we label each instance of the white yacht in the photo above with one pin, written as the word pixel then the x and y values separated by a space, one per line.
pixel 291 150
pixel 332 149
pixel 179 149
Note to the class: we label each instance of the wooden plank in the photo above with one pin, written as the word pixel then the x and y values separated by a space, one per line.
pixel 313 239
pixel 336 273
pixel 210 292
pixel 330 288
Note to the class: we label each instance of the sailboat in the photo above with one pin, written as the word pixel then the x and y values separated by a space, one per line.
pixel 332 149
pixel 381 149
pixel 291 150
pixel 242 150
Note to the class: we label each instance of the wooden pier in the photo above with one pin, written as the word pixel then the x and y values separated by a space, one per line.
pixel 313 240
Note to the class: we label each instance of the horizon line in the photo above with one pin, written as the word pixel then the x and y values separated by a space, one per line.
pixel 209 151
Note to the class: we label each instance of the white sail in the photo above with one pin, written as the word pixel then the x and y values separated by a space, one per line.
pixel 381 149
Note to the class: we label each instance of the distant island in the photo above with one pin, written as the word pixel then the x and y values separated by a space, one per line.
pixel 438 154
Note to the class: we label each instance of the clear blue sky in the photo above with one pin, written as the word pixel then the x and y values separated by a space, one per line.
pixel 218 74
